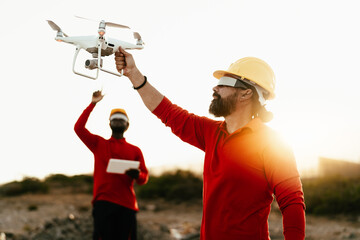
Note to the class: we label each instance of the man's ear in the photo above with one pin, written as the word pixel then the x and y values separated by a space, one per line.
pixel 246 94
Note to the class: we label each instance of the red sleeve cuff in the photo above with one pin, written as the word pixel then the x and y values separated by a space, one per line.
pixel 294 222
pixel 161 107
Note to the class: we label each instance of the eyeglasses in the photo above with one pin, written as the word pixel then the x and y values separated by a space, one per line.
pixel 233 82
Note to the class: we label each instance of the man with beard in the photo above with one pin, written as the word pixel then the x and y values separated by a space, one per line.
pixel 246 163
pixel 114 201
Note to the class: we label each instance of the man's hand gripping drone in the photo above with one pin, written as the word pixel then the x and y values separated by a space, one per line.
pixel 98 46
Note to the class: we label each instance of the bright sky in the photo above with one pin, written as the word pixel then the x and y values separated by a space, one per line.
pixel 312 46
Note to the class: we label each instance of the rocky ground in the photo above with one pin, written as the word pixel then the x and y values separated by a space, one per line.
pixel 67 216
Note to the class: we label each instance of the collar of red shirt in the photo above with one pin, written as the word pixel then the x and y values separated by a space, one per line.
pixel 115 139
pixel 253 125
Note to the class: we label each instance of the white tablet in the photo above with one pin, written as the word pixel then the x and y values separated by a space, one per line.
pixel 120 166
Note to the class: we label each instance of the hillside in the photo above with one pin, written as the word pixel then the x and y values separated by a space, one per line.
pixel 62 210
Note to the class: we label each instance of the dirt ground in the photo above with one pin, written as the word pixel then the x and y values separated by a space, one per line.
pixel 24 214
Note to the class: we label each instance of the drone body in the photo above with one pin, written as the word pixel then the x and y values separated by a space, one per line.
pixel 91 44
pixel 97 45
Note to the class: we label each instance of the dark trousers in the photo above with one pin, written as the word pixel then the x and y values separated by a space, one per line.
pixel 113 222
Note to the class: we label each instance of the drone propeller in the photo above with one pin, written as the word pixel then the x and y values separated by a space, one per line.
pixel 110 24
pixel 56 27
pixel 138 38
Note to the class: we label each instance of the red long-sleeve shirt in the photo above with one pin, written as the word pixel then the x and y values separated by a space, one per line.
pixel 242 171
pixel 116 188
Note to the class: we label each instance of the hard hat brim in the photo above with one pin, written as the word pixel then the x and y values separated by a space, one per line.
pixel 220 73
pixel 119 115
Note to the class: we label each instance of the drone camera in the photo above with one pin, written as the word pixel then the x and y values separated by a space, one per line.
pixel 92 63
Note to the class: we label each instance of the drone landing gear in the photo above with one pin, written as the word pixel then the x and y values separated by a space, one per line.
pixel 91 65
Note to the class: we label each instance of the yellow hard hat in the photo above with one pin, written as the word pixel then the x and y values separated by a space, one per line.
pixel 118 110
pixel 253 69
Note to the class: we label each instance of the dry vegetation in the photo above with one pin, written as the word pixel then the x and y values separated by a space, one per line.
pixel 62 210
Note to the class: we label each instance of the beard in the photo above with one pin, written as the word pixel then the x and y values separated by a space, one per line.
pixel 222 107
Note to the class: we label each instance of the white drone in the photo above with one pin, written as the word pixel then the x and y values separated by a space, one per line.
pixel 97 45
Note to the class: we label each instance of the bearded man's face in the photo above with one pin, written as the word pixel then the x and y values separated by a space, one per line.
pixel 222 107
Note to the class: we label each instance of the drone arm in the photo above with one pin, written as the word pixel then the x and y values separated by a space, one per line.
pixel 78 48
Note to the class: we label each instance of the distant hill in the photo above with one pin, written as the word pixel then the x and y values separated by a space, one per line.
pixel 332 167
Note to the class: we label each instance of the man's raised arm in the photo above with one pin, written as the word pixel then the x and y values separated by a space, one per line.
pixel 150 96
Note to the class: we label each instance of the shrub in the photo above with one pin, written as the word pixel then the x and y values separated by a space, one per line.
pixel 87 179
pixel 58 178
pixel 178 185
pixel 79 183
pixel 332 195
pixel 11 189
pixel 27 185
